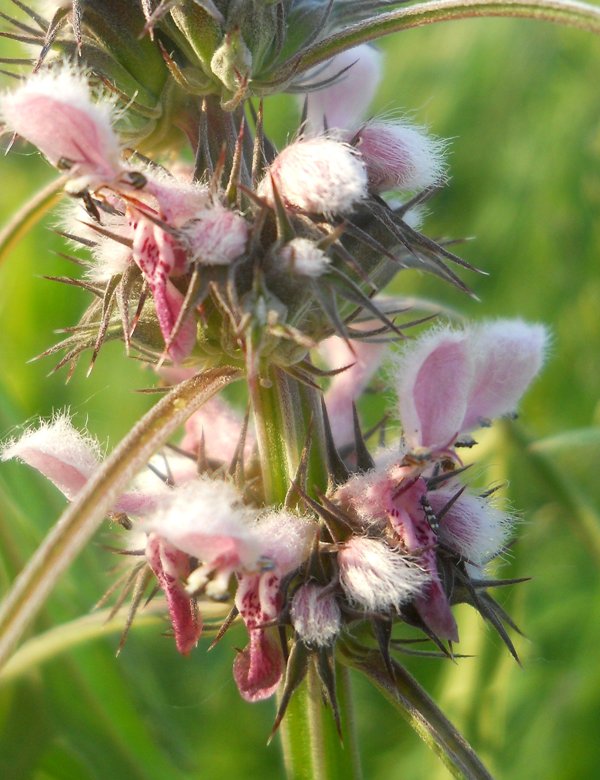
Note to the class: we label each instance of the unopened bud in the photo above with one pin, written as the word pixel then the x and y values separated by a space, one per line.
pixel 302 256
pixel 315 615
pixel 216 236
pixel 320 176
pixel 400 156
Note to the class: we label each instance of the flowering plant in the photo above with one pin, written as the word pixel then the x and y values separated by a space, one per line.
pixel 265 267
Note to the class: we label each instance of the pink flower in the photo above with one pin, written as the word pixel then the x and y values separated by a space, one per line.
pixel 395 495
pixel 302 256
pixel 205 519
pixel 54 111
pixel 284 540
pixel 450 381
pixel 399 155
pixel 319 176
pixel 68 459
pixel 161 254
pixel 343 103
pixel 470 525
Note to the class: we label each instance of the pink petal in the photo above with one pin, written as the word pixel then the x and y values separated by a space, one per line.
pixel 170 567
pixel 205 519
pixel 54 111
pixel 399 155
pixel 343 103
pixel 319 175
pixel 507 355
pixel 472 526
pixel 434 609
pixel 434 380
pixel 410 524
pixel 258 669
pixel 59 452
pixel 349 385
pixel 154 253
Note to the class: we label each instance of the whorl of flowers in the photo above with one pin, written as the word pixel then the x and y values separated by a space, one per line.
pixel 271 262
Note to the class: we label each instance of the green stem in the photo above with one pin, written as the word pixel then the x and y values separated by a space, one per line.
pixel 271 437
pixel 569 14
pixel 61 639
pixel 312 748
pixel 349 731
pixel 81 519
pixel 302 416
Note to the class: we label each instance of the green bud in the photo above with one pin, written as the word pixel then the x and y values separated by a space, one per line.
pixel 232 61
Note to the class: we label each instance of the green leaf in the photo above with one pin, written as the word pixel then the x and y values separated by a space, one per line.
pixel 29 215
pixel 569 14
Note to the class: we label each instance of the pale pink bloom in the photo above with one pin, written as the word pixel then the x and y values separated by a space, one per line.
pixel 315 615
pixel 362 359
pixel 472 526
pixel 376 577
pixel 399 155
pixel 68 458
pixel 450 381
pixel 206 519
pixel 215 235
pixel 284 540
pixel 220 425
pixel 394 494
pixel 319 176
pixel 54 111
pixel 302 256
pixel 343 103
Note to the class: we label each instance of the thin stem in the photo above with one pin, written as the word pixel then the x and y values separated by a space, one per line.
pixel 565 12
pixel 61 639
pixel 81 519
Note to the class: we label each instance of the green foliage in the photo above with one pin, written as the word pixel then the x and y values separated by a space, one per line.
pixel 520 102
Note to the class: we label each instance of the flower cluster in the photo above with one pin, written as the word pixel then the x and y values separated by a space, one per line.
pixel 270 263
pixel 401 540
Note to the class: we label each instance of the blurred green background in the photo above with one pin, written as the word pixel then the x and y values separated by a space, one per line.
pixel 520 102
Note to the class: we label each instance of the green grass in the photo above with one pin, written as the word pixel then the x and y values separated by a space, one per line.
pixel 520 102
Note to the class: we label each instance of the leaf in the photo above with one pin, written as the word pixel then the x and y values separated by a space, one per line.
pixel 29 215
pixel 581 15
pixel 79 521
pixel 579 505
